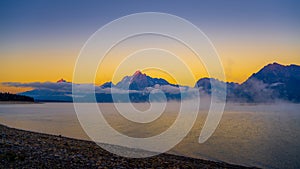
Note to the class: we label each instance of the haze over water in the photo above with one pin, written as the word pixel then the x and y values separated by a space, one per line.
pixel 255 135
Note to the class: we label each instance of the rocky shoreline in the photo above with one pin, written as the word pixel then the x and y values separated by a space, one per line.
pixel 25 149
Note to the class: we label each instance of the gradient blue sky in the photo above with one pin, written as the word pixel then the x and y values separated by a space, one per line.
pixel 38 35
pixel 32 21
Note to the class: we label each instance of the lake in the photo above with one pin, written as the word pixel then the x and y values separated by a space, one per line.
pixel 263 135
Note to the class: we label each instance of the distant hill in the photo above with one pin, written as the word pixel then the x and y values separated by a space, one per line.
pixel 272 83
pixel 204 84
pixel 107 85
pixel 46 95
pixel 15 97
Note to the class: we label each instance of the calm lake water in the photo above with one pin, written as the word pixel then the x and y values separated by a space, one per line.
pixel 266 136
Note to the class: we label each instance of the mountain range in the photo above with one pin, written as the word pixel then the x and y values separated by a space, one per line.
pixel 272 83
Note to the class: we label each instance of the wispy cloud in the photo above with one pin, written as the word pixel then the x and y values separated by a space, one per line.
pixel 66 87
pixel 42 85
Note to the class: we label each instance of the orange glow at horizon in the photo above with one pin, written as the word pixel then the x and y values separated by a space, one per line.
pixel 239 62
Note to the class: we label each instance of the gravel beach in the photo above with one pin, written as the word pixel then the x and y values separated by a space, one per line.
pixel 25 149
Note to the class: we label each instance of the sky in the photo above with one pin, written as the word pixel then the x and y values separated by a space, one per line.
pixel 40 40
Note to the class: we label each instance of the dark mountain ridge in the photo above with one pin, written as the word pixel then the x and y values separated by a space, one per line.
pixel 138 81
pixel 271 83
pixel 274 81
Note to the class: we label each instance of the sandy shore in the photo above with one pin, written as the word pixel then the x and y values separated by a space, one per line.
pixel 24 149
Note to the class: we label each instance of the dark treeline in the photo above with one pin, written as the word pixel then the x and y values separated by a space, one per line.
pixel 14 97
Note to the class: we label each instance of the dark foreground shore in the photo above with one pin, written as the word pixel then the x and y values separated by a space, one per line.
pixel 24 149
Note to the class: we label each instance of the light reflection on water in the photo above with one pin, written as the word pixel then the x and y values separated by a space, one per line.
pixel 260 135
